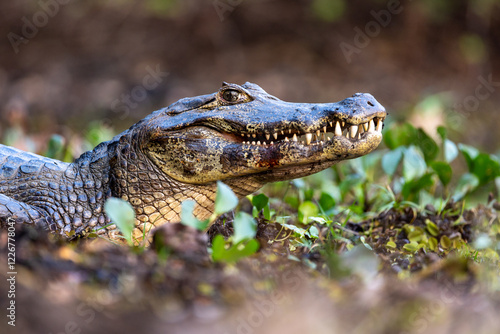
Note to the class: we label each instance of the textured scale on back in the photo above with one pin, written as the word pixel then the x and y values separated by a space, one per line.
pixel 240 135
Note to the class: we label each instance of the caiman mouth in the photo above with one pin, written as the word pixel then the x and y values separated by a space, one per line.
pixel 322 134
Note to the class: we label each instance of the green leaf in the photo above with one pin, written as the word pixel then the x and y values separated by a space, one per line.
pixel 326 201
pixel 400 135
pixel 245 227
pixel 366 244
pixel 450 150
pixel 188 218
pixel 412 188
pixel 443 133
pixel 308 194
pixel 470 153
pixel 391 245
pixel 433 244
pixel 465 185
pixel 445 242
pixel 443 171
pixel 225 199
pixel 486 167
pixel 416 235
pixel 260 201
pixel 431 228
pixel 413 164
pixel 307 209
pixel 427 145
pixel 234 253
pixel 122 214
pixel 411 247
pixel 293 201
pixel 313 232
pixel 320 220
pixel 391 160
pixel 218 248
pixel 300 231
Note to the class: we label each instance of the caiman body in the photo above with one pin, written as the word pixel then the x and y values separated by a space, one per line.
pixel 240 135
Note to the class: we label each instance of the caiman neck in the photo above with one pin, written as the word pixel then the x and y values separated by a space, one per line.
pixel 156 197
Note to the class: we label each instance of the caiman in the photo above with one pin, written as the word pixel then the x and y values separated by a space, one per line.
pixel 240 135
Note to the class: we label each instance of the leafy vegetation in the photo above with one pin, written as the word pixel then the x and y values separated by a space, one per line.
pixel 344 207
pixel 403 203
pixel 242 243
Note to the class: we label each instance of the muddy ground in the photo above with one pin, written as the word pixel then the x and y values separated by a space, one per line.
pixel 173 286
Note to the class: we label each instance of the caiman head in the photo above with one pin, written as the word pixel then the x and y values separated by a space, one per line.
pixel 242 136
pixel 242 131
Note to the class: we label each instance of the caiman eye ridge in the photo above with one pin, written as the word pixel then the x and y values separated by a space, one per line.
pixel 333 129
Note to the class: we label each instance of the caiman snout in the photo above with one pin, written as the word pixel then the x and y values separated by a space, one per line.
pixel 359 107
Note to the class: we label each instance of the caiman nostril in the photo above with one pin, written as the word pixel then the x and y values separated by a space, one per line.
pixel 370 104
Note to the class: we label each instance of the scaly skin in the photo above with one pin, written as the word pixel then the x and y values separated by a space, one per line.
pixel 240 135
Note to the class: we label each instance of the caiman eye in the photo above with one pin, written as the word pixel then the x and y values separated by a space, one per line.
pixel 231 95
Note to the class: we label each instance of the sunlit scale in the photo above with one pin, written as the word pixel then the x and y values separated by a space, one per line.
pixel 336 129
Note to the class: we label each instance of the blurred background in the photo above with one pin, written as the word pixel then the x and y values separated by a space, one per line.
pixel 86 70
pixel 74 73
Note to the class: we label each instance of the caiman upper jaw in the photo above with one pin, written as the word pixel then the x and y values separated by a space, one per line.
pixel 318 123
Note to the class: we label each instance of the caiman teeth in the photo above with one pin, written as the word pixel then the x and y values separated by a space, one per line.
pixel 338 130
pixel 308 137
pixel 319 136
pixel 371 126
pixel 354 131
